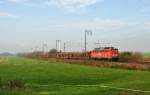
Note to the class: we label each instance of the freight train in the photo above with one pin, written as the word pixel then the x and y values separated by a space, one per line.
pixel 109 53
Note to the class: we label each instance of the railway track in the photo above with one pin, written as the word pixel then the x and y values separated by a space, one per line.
pixel 146 62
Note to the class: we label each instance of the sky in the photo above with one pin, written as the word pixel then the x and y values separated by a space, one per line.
pixel 25 25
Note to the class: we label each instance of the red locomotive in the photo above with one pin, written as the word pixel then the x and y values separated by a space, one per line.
pixel 109 53
pixel 105 53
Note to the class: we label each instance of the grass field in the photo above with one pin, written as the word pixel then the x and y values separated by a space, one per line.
pixel 44 78
pixel 147 56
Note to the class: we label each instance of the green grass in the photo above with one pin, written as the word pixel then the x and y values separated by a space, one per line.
pixel 44 78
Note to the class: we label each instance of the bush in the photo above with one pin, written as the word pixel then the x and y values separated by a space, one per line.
pixel 53 51
pixel 15 84
pixel 12 84
pixel 130 57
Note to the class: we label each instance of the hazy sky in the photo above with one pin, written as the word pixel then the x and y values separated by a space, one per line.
pixel 26 24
